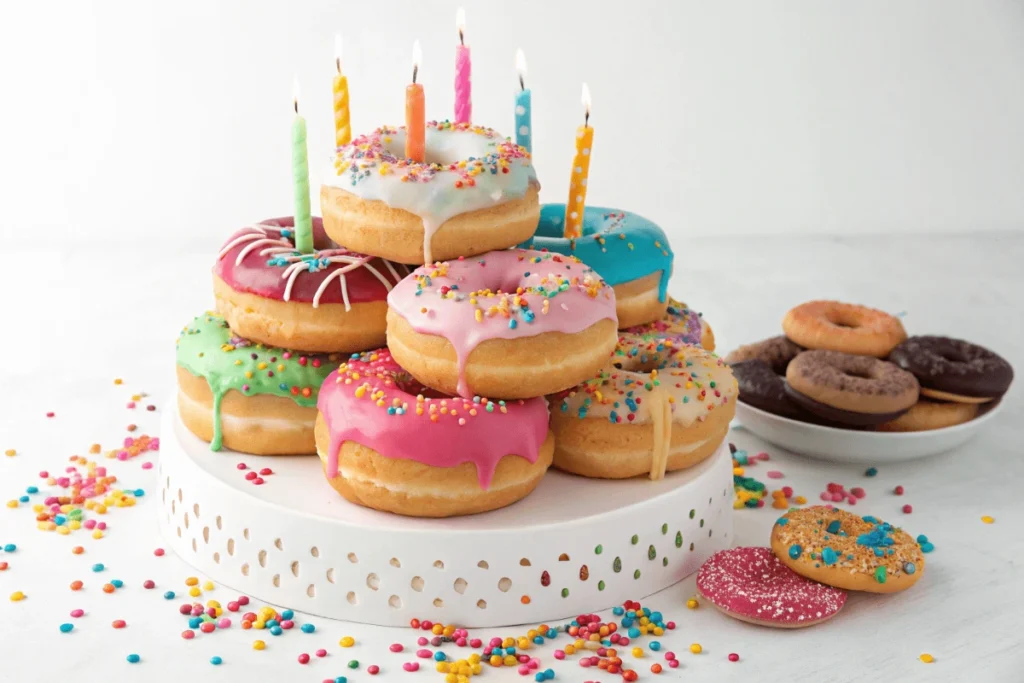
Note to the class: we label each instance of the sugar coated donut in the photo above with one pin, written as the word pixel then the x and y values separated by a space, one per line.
pixel 330 300
pixel 752 585
pixel 953 369
pixel 245 396
pixel 508 324
pixel 849 328
pixel 850 390
pixel 475 192
pixel 389 443
pixel 632 421
pixel 838 548
pixel 630 252
pixel 681 325
pixel 927 415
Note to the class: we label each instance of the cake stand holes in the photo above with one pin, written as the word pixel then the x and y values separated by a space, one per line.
pixel 504 584
pixel 372 582
pixel 245 569
pixel 278 544
pixel 295 568
pixel 219 524
pixel 186 520
pixel 206 534
pixel 438 602
pixel 702 524
pixel 482 604
pixel 545 579
pixel 564 557
pixel 524 563
pixel 277 580
pixel 460 586
pixel 417 584
pixel 691 547
pixel 178 528
pixel 216 558
pixel 195 509
pixel 395 602
pixel 231 547
pixel 352 558
pixel 330 575
pixel 245 534
pixel 483 564
pixel 311 590
pixel 709 501
pixel 261 557
pixel 195 548
pixel 584 573
pixel 352 598
pixel 179 495
pixel 709 532
pixel 168 484
pixel 173 508
pixel 314 551
pixel 395 563
pixel 438 564
pixel 163 496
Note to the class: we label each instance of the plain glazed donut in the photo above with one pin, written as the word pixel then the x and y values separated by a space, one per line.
pixel 388 443
pixel 633 421
pixel 630 252
pixel 476 192
pixel 849 328
pixel 508 324
pixel 244 396
pixel 840 549
pixel 752 585
pixel 927 415
pixel 330 300
pixel 852 390
pixel 953 369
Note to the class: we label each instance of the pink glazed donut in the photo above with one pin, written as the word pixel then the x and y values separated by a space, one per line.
pixel 329 301
pixel 752 585
pixel 507 324
pixel 389 443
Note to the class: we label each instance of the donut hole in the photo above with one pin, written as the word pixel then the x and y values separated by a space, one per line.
pixel 441 149
pixel 859 374
pixel 842 318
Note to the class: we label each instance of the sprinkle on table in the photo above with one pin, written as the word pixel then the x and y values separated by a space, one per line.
pixel 987 519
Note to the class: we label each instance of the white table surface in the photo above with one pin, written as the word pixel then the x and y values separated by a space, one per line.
pixel 73 321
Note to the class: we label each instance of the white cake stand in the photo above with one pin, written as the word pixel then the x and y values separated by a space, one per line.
pixel 573 546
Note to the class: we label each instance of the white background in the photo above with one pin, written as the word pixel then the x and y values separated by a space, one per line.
pixel 167 122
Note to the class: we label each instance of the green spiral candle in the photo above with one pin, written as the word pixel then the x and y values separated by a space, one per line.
pixel 300 181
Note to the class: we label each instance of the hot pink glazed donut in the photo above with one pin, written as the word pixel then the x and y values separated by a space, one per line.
pixel 509 324
pixel 752 585
pixel 330 300
pixel 389 443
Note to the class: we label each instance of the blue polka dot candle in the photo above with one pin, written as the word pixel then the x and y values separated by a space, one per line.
pixel 524 115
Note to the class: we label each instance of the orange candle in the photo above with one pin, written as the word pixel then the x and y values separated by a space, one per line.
pixel 415 108
pixel 580 169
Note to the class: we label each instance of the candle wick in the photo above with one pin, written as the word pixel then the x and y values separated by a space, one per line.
pixel 522 86
pixel 415 72
pixel 461 38
pixel 337 64
pixel 295 105
pixel 586 119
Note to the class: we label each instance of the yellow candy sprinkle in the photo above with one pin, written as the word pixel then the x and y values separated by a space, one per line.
pixel 987 520
pixel 12 503
pixel 191 581
pixel 258 645
pixel 926 658
pixel 118 380
pixel 10 452
pixel 692 604
pixel 696 648
pixel 259 624
pixel 208 586
pixel 17 596
pixel 495 660
pixel 194 592
pixel 510 660
pixel 97 534
pixel 347 641
pixel 637 652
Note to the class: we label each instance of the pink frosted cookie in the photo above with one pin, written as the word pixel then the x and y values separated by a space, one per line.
pixel 751 585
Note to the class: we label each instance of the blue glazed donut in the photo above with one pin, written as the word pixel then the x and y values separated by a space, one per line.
pixel 623 248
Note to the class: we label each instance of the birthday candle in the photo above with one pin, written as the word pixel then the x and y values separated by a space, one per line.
pixel 415 117
pixel 580 169
pixel 300 178
pixel 463 67
pixel 342 126
pixel 524 125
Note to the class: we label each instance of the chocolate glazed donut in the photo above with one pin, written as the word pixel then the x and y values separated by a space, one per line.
pixel 953 369
pixel 760 371
pixel 852 390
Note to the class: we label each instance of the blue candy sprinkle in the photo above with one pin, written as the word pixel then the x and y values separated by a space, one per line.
pixel 871 471
pixel 117 583
pixel 133 659
pixel 169 595
pixel 833 527
pixel 98 567
pixel 655 645
pixel 927 547
pixel 32 489
pixel 909 568
pixel 194 622
pixel 922 539
pixel 782 521
pixel 24 499
pixel 307 628
pixel 276 630
pixel 287 614
pixel 10 548
pixel 216 661
pixel 439 656
pixel 829 556
pixel 794 551
pixel 66 628
pixel 634 633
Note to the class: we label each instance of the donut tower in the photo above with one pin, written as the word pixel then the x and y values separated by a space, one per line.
pixel 464 339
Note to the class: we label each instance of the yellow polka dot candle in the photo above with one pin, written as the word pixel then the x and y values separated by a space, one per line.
pixel 342 124
pixel 580 169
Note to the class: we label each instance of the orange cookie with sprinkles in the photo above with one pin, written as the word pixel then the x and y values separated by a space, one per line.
pixel 841 549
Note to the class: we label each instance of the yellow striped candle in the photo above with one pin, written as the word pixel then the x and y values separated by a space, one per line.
pixel 342 125
pixel 580 169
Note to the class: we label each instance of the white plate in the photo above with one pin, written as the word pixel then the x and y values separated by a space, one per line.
pixel 857 446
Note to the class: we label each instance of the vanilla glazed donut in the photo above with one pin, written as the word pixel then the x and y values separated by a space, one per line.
pixel 848 328
pixel 637 420
pixel 953 369
pixel 246 396
pixel 475 192
pixel 680 326
pixel 851 390
pixel 507 324
pixel 926 415
pixel 330 300
pixel 389 443
pixel 630 252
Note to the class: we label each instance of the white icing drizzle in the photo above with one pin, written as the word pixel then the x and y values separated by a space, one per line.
pixel 281 248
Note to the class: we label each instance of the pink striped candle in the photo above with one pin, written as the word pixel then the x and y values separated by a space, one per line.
pixel 463 68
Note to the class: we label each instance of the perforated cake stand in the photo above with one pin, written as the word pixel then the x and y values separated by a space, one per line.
pixel 574 545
